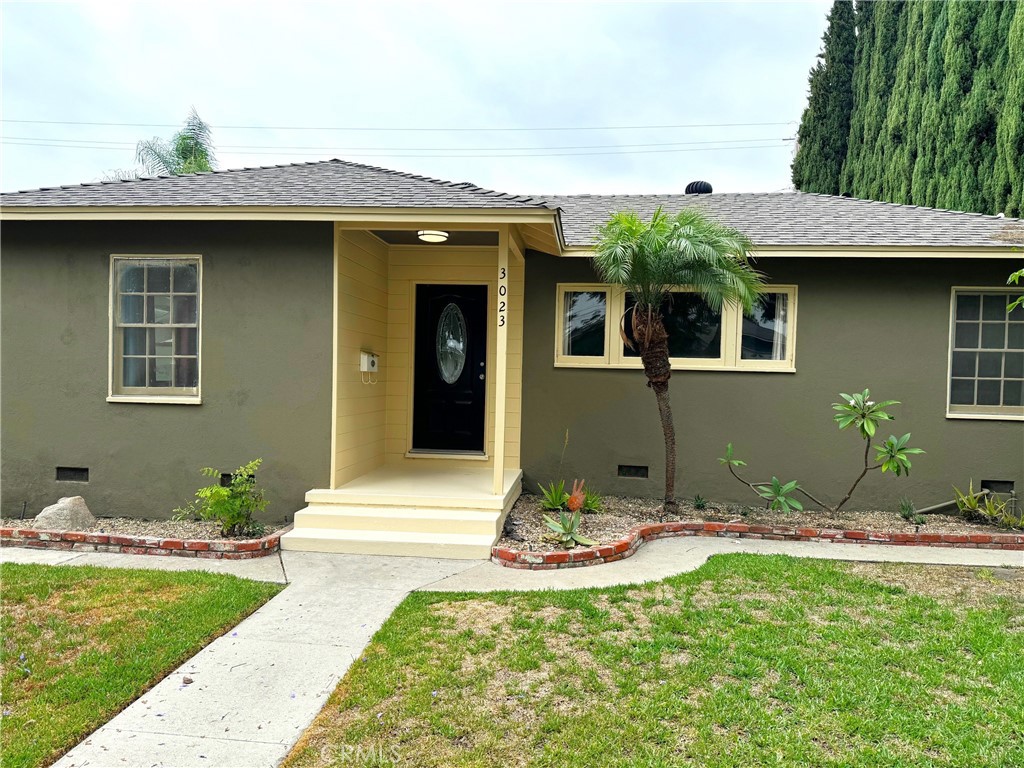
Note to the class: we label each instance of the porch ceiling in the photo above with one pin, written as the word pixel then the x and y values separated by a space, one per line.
pixel 455 237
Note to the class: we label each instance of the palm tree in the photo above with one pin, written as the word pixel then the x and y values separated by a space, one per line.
pixel 649 259
pixel 190 150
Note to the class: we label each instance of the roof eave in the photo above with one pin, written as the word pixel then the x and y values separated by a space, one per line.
pixel 994 251
pixel 351 214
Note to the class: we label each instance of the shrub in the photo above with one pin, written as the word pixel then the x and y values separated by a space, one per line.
pixel 700 503
pixel 592 501
pixel 567 528
pixel 231 505
pixel 909 512
pixel 554 497
pixel 858 411
pixel 985 507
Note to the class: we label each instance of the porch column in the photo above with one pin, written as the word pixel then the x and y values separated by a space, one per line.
pixel 501 361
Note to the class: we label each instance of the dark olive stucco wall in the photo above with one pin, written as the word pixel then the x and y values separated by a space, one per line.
pixel 878 323
pixel 266 366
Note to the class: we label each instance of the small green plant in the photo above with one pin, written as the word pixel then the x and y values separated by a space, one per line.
pixel 893 454
pixel 1015 279
pixel 700 503
pixel 857 410
pixel 985 507
pixel 592 501
pixel 909 512
pixel 779 495
pixel 567 529
pixel 231 505
pixel 968 503
pixel 554 497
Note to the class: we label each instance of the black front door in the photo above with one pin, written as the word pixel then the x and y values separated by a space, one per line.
pixel 449 384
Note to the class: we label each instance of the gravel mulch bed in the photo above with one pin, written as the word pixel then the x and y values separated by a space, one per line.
pixel 164 529
pixel 525 528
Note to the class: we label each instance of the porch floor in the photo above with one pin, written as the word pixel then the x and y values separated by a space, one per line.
pixel 408 509
pixel 419 484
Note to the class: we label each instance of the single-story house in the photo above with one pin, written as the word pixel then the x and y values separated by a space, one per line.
pixel 407 354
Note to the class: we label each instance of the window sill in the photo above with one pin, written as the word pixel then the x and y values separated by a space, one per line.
pixel 987 416
pixel 156 400
pixel 466 456
pixel 675 367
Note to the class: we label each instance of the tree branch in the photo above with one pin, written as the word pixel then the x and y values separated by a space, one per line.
pixel 863 473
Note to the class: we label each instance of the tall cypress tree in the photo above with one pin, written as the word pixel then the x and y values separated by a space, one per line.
pixel 861 66
pixel 937 114
pixel 888 26
pixel 904 110
pixel 825 126
pixel 1008 168
pixel 922 184
pixel 954 173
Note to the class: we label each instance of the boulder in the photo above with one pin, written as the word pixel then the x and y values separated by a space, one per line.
pixel 68 514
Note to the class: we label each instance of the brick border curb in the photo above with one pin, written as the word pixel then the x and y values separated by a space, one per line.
pixel 638 535
pixel 75 541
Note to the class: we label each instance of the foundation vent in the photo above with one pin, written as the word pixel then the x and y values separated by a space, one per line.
pixel 998 486
pixel 633 470
pixel 73 474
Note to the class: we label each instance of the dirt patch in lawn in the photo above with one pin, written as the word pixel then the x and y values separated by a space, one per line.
pixel 525 528
pixel 163 529
pixel 967 587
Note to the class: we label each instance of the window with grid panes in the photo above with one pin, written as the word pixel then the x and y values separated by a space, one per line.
pixel 986 365
pixel 155 326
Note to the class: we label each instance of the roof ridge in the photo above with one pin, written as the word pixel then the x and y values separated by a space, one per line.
pixel 464 185
pixel 997 216
pixel 158 177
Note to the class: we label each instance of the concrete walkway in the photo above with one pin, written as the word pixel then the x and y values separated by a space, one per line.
pixel 667 557
pixel 258 687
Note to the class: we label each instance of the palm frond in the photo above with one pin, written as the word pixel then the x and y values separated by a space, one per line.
pixel 688 249
pixel 190 150
pixel 156 156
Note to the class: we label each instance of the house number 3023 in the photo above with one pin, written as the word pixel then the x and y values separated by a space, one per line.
pixel 502 295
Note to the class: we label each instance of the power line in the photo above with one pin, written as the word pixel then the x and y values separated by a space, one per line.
pixel 395 155
pixel 403 128
pixel 131 145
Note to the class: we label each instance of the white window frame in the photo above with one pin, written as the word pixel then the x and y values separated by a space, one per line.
pixel 987 412
pixel 161 395
pixel 732 334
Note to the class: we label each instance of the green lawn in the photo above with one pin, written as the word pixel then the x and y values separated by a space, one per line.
pixel 750 661
pixel 80 644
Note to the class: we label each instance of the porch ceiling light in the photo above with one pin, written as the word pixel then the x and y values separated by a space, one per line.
pixel 432 235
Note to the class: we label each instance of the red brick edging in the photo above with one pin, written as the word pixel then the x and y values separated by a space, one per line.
pixel 626 546
pixel 226 549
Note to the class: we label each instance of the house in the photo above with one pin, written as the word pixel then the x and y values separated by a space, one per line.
pixel 407 354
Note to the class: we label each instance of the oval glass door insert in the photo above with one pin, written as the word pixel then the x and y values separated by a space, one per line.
pixel 451 343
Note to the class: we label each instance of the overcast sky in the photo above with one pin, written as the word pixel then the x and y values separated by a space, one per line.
pixel 374 65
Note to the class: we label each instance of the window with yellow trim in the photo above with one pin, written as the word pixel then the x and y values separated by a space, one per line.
pixel 986 355
pixel 589 318
pixel 155 326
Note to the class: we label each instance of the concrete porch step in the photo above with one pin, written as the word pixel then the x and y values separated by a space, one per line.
pixel 459 546
pixel 394 518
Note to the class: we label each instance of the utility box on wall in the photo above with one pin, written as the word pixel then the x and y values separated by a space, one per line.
pixel 368 362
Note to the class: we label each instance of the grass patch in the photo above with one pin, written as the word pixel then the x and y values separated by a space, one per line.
pixel 81 643
pixel 749 661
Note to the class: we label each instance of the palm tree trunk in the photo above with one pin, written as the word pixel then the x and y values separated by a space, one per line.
pixel 652 339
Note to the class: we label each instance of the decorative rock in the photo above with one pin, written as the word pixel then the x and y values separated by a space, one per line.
pixel 68 514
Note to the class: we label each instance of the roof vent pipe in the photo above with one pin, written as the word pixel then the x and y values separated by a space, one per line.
pixel 698 188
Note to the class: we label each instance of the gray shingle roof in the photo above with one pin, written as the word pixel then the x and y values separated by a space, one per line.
pixel 328 183
pixel 800 219
pixel 770 219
